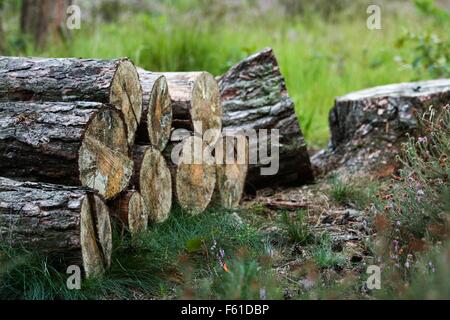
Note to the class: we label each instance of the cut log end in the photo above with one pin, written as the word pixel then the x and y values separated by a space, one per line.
pixel 130 209
pixel 231 171
pixel 195 177
pixel 95 236
pixel 159 116
pixel 103 157
pixel 196 103
pixel 126 96
pixel 206 107
pixel 155 185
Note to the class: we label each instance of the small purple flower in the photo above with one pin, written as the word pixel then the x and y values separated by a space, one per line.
pixel 262 293
pixel 221 253
pixel 422 140
pixel 395 243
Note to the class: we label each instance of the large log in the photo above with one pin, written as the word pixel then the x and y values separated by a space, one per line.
pixel 55 219
pixel 153 180
pixel 74 143
pixel 193 173
pixel 254 96
pixel 195 103
pixel 368 126
pixel 156 122
pixel 115 82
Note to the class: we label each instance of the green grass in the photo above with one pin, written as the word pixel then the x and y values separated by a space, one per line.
pixel 297 228
pixel 347 193
pixel 320 58
pixel 161 262
pixel 325 257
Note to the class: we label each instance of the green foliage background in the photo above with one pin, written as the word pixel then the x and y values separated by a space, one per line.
pixel 324 47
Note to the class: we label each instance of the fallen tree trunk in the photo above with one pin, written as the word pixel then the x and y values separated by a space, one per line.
pixel 195 103
pixel 193 174
pixel 74 143
pixel 368 126
pixel 156 122
pixel 254 97
pixel 130 210
pixel 55 219
pixel 114 82
pixel 231 155
pixel 152 179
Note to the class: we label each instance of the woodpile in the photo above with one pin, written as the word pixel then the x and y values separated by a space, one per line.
pixel 87 143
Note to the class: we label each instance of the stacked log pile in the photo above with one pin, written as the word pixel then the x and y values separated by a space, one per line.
pixel 87 142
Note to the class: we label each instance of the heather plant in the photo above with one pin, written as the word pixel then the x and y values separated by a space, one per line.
pixel 414 215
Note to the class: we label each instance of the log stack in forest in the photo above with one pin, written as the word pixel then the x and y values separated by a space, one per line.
pixel 254 96
pixel 86 141
pixel 66 131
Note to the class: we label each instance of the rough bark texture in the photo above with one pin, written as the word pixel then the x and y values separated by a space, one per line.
pixel 156 122
pixel 115 82
pixel 367 127
pixel 75 143
pixel 195 176
pixel 130 210
pixel 231 155
pixel 195 103
pixel 254 96
pixel 152 178
pixel 55 219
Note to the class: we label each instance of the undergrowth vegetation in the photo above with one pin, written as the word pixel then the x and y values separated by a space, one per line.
pixel 325 50
pixel 414 213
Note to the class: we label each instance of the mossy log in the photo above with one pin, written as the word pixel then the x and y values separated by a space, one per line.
pixel 369 126
pixel 254 96
pixel 74 143
pixel 156 122
pixel 113 82
pixel 55 219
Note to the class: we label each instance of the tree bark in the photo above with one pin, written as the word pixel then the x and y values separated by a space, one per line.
pixel 114 82
pixel 55 219
pixel 74 143
pixel 368 126
pixel 193 174
pixel 130 210
pixel 44 20
pixel 254 96
pixel 156 122
pixel 152 179
pixel 195 103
